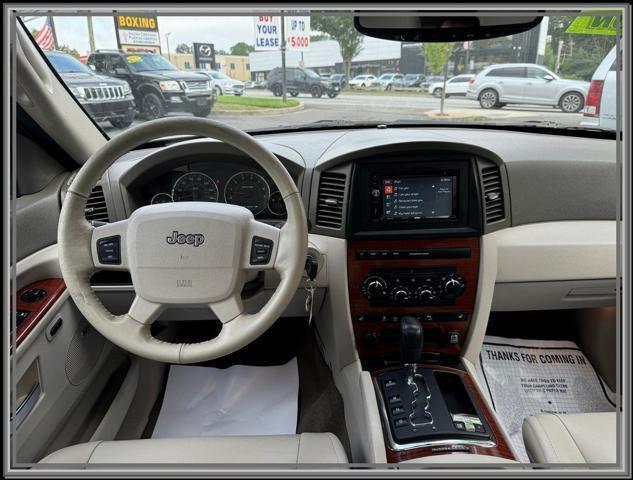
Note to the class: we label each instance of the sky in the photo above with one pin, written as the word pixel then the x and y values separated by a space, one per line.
pixel 223 32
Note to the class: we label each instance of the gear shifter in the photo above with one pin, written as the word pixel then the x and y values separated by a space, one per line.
pixel 411 341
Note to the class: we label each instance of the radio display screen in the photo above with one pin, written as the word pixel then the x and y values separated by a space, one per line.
pixel 416 197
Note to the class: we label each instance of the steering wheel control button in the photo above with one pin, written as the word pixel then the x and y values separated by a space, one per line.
pixel 261 249
pixel 33 295
pixel 109 250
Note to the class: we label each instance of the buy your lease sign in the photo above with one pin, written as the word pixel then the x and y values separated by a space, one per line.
pixel 268 33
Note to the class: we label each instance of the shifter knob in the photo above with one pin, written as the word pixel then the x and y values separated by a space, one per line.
pixel 411 340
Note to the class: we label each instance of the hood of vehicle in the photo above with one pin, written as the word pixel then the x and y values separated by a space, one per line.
pixel 88 80
pixel 173 75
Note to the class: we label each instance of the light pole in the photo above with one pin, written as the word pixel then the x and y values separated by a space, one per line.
pixel 167 40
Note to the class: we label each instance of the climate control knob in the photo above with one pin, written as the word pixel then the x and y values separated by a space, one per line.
pixel 373 287
pixel 400 294
pixel 453 285
pixel 425 294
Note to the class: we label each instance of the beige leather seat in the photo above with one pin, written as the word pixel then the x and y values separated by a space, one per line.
pixel 303 448
pixel 572 438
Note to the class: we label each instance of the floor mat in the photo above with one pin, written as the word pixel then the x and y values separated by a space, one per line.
pixel 528 377
pixel 239 400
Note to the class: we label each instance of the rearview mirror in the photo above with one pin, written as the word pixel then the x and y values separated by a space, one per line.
pixel 120 71
pixel 445 28
pixel 548 77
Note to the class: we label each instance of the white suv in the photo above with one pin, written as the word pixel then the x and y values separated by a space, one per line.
pixel 600 110
pixel 362 81
pixel 526 83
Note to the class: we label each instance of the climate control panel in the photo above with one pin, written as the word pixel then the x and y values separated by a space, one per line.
pixel 439 285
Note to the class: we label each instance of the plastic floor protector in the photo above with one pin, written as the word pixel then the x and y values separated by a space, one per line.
pixel 239 400
pixel 529 377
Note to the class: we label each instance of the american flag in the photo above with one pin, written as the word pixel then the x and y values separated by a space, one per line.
pixel 44 37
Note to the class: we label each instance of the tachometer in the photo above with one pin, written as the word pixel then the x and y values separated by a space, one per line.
pixel 195 187
pixel 247 189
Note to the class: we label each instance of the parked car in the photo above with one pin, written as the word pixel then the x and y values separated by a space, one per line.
pixel 527 84
pixel 249 84
pixel 600 107
pixel 388 81
pixel 362 81
pixel 157 85
pixel 456 85
pixel 301 80
pixel 429 80
pixel 104 98
pixel 412 80
pixel 223 84
pixel 340 78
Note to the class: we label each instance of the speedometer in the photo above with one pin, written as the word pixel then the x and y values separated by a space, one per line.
pixel 247 189
pixel 195 187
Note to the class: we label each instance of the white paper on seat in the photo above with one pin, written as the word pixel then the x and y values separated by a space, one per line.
pixel 529 377
pixel 239 400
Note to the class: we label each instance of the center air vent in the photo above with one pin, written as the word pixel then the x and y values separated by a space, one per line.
pixel 330 200
pixel 96 208
pixel 493 194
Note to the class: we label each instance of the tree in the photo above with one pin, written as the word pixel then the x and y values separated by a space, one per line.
pixel 436 56
pixel 341 29
pixel 318 37
pixel 580 54
pixel 241 48
pixel 69 50
pixel 184 48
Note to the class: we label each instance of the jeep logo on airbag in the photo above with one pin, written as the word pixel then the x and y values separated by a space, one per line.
pixel 195 239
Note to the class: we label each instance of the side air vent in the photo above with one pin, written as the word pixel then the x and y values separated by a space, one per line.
pixel 493 194
pixel 96 208
pixel 330 200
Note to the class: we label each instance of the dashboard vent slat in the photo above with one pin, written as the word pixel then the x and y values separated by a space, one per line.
pixel 494 206
pixel 96 208
pixel 330 200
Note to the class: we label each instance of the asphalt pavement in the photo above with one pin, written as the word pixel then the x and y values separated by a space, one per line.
pixel 388 107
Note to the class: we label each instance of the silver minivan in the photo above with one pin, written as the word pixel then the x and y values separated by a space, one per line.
pixel 526 83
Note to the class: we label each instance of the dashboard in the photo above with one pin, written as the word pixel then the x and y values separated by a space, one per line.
pixel 412 209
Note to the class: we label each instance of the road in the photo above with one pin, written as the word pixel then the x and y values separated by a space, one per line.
pixel 389 107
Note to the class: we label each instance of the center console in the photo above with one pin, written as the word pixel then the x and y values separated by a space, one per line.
pixel 413 229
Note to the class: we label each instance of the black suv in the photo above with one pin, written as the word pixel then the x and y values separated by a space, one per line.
pixel 104 98
pixel 301 80
pixel 158 86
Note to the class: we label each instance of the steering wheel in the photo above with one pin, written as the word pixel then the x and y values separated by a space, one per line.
pixel 182 254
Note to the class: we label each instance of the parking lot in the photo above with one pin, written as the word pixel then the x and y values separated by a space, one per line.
pixel 388 107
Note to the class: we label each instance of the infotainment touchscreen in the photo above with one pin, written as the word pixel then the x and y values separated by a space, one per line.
pixel 414 197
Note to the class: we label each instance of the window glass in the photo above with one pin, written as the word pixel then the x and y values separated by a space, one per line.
pixel 163 56
pixel 537 73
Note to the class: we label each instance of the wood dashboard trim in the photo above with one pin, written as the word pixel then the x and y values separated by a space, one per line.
pixel 54 288
pixel 468 268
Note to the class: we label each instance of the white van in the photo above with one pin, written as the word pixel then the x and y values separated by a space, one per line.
pixel 600 107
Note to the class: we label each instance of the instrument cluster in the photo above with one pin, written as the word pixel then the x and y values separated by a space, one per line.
pixel 226 183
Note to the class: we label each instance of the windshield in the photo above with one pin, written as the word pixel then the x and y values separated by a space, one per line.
pixel 541 77
pixel 66 64
pixel 148 62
